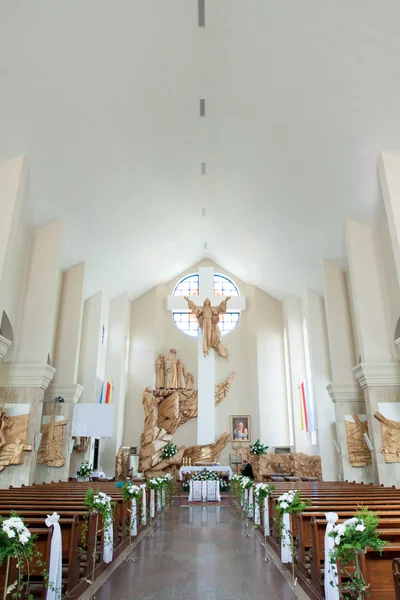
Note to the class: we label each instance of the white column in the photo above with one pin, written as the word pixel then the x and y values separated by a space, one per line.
pixel 12 185
pixel 116 370
pixel 206 401
pixel 293 323
pixel 378 371
pixel 314 312
pixel 389 173
pixel 69 325
pixel 39 313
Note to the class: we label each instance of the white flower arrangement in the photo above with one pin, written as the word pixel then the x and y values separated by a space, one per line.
pixel 85 470
pixel 14 527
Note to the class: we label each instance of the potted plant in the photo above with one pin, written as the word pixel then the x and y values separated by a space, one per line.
pixel 84 472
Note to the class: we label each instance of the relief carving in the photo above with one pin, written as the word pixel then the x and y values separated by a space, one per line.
pixel 390 438
pixel 359 455
pixel 50 450
pixel 13 432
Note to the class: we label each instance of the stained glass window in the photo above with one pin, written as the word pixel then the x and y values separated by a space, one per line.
pixel 189 286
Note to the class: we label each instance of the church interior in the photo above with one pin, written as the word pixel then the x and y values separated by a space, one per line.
pixel 199 300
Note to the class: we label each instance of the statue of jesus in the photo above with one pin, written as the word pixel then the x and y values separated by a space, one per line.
pixel 208 318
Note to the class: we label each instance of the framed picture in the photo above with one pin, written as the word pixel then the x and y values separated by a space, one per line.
pixel 240 428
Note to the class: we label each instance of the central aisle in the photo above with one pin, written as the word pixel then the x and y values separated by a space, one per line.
pixel 198 553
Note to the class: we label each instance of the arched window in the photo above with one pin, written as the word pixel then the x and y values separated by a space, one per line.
pixel 189 286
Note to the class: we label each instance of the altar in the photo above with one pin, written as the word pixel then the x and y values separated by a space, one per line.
pixel 216 468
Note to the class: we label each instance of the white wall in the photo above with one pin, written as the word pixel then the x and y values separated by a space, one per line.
pixel 153 331
pixel 272 392
pixel 389 281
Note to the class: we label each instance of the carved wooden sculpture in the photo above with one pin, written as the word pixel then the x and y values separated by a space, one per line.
pixel 50 450
pixel 222 389
pixel 181 374
pixel 297 463
pixel 81 444
pixel 208 318
pixel 189 381
pixel 121 465
pixel 359 455
pixel 172 375
pixel 390 438
pixel 210 452
pixel 153 439
pixel 13 439
pixel 168 413
pixel 160 372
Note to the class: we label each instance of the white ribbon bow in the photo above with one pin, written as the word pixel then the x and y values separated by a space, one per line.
pixel 330 571
pixel 54 588
pixel 144 509
pixel 133 517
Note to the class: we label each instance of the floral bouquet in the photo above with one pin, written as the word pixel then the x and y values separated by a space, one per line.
pixel 258 448
pixel 352 538
pixel 85 470
pixel 15 537
pixel 291 503
pixel 169 450
pixel 130 491
pixel 262 491
pixel 206 475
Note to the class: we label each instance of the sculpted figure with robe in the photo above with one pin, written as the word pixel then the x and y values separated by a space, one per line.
pixel 172 374
pixel 208 318
pixel 160 372
pixel 189 381
pixel 181 374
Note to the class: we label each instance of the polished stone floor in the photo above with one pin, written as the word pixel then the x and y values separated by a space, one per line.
pixel 197 553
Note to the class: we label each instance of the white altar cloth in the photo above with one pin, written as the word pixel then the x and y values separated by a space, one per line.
pixel 217 468
pixel 204 491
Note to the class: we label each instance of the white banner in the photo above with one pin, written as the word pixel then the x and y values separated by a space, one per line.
pixel 55 567
pixel 251 501
pixel 286 556
pixel 159 501
pixel 257 513
pixel 266 517
pixel 133 517
pixel 330 572
pixel 152 504
pixel 143 487
pixel 163 497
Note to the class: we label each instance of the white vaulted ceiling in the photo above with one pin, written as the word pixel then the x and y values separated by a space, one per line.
pixel 103 98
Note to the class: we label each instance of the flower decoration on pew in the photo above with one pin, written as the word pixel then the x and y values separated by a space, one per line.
pixel 169 450
pixel 102 504
pixel 17 542
pixel 289 503
pixel 258 448
pixel 262 491
pixel 131 491
pixel 351 539
pixel 206 475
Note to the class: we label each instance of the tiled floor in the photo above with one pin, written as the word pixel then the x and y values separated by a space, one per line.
pixel 198 553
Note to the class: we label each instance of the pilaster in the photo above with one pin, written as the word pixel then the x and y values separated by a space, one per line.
pixel 381 384
pixel 70 394
pixel 4 346
pixel 348 400
pixel 24 385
